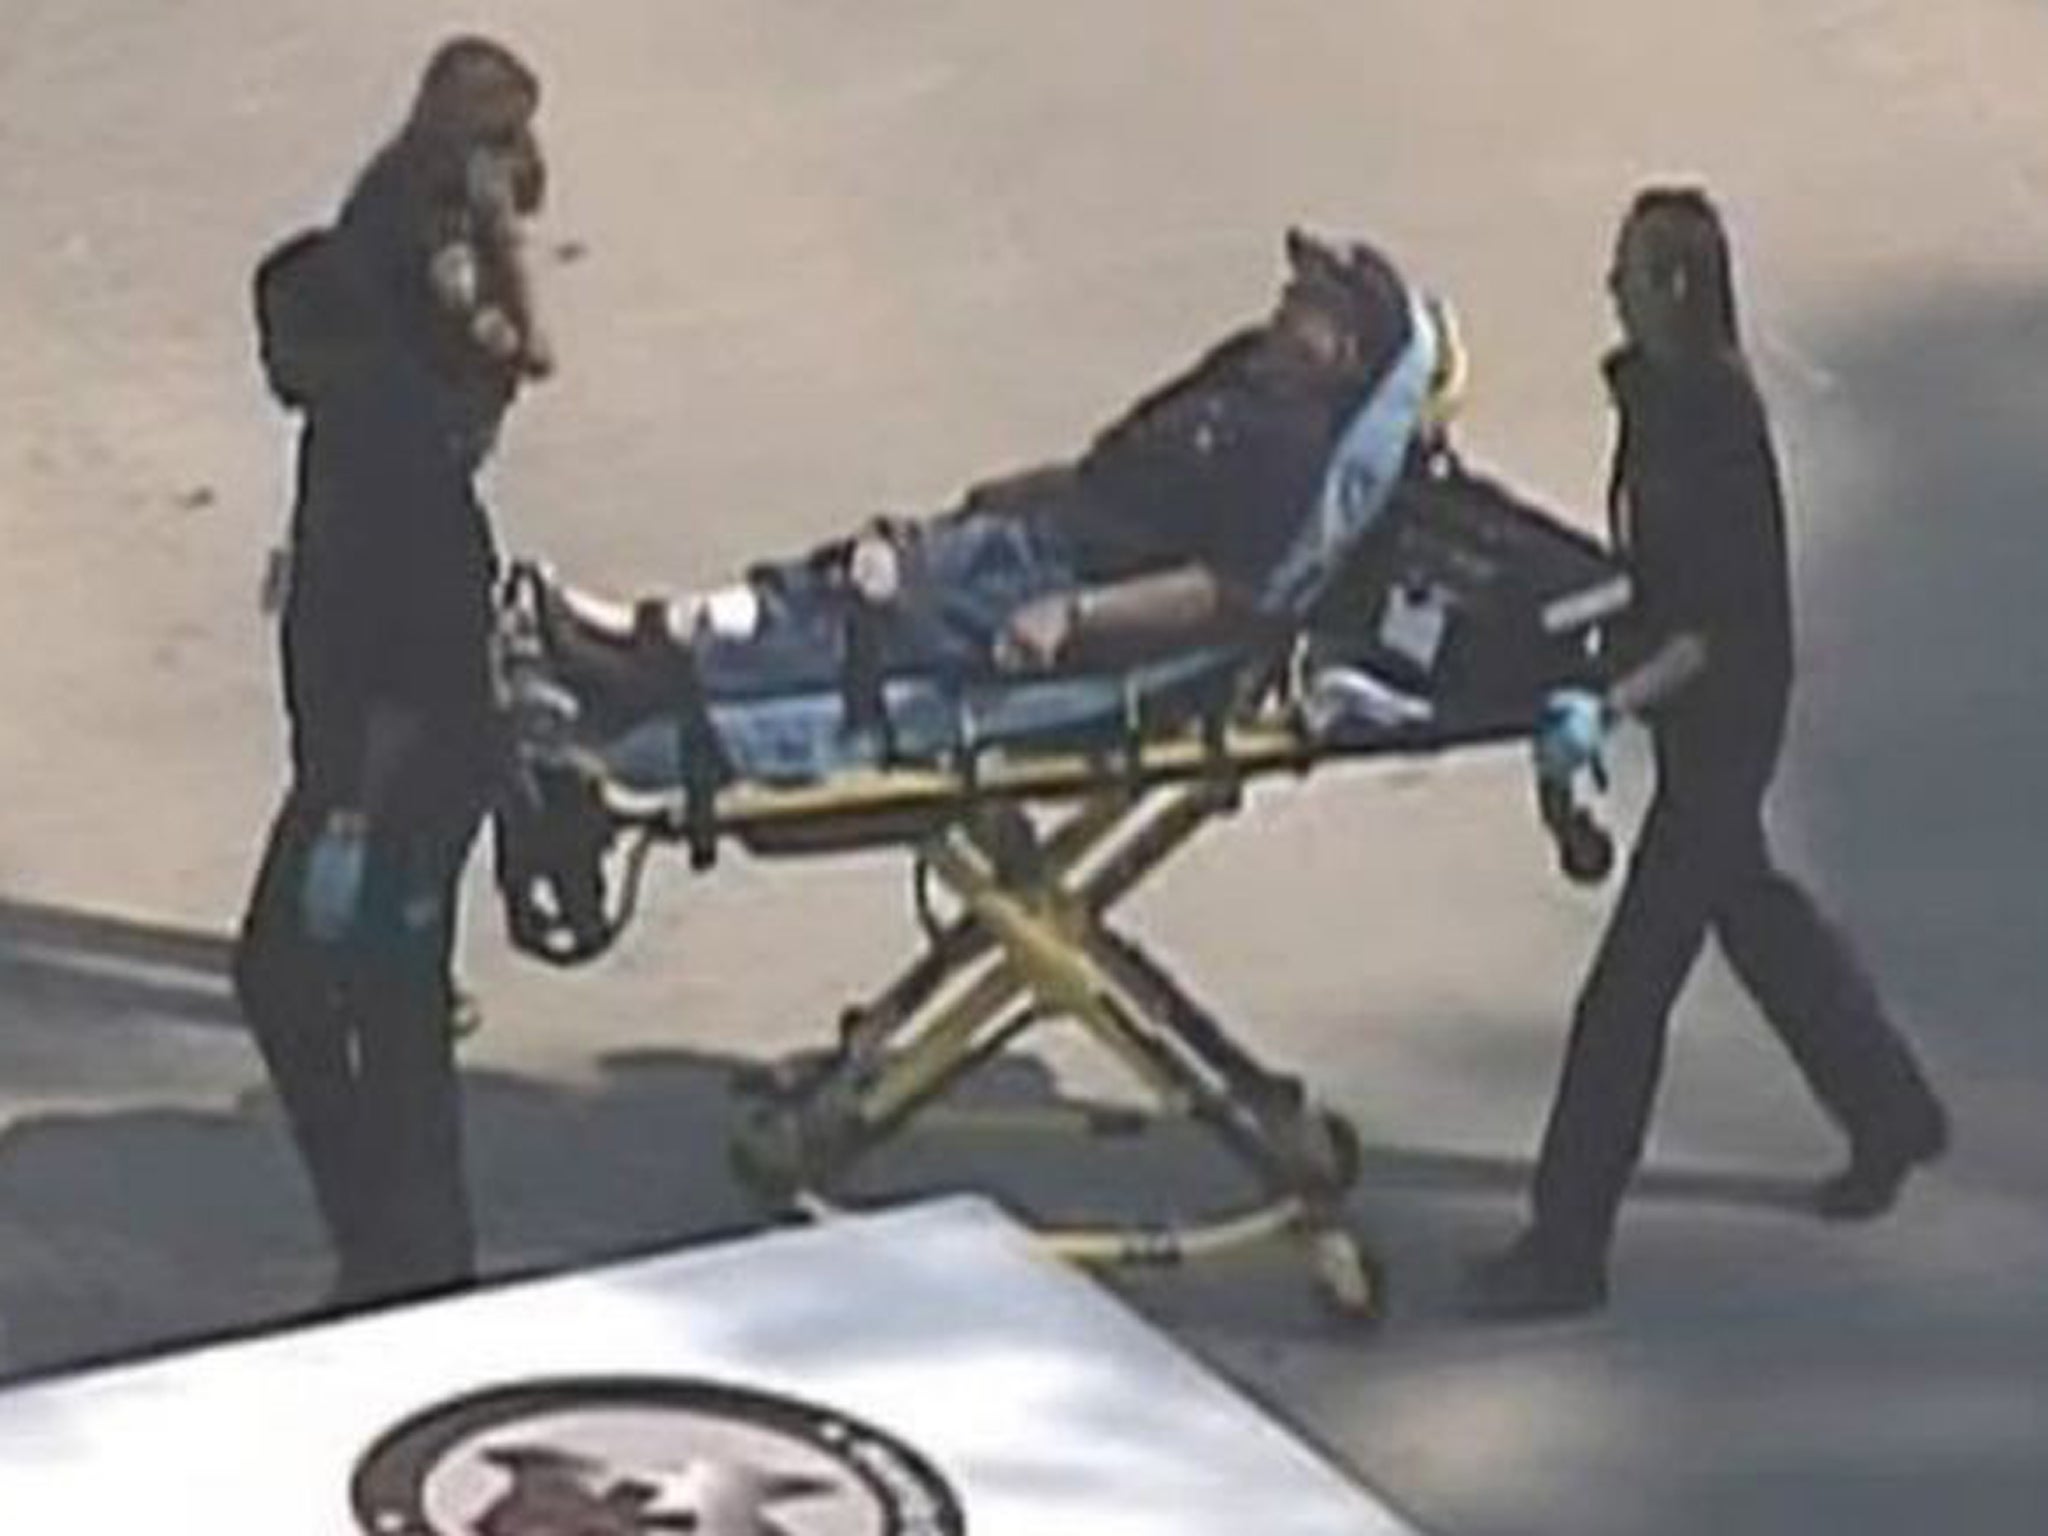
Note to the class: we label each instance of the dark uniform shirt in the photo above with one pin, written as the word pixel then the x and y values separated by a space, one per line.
pixel 1700 521
pixel 1221 465
pixel 390 598
pixel 387 224
pixel 1217 469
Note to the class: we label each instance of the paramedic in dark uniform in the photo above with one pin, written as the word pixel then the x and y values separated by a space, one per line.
pixel 1699 520
pixel 342 967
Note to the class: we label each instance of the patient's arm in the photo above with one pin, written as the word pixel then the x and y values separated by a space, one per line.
pixel 1145 615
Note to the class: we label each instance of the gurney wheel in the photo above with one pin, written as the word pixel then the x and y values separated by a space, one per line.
pixel 783 1081
pixel 1320 1149
pixel 1347 1280
pixel 767 1154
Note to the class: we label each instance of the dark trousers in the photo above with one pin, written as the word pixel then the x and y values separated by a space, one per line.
pixel 357 1042
pixel 1702 865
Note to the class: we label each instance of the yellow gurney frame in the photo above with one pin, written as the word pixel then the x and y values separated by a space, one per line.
pixel 1033 943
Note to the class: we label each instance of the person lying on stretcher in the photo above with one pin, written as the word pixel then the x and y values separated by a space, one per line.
pixel 1166 532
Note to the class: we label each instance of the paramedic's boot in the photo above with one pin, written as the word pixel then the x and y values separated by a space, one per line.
pixel 1534 1278
pixel 1869 1186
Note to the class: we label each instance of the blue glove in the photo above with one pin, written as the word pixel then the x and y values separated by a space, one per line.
pixel 1570 733
pixel 331 889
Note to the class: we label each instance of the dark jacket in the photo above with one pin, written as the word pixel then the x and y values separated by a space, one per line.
pixel 386 226
pixel 1219 466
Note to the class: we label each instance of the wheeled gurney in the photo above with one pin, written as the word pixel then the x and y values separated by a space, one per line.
pixel 1423 609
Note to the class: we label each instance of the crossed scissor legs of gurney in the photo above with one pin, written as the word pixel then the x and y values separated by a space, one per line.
pixel 1034 943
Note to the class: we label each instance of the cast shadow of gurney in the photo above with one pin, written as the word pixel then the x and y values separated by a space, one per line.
pixel 131 1231
pixel 135 1230
pixel 1064 1148
pixel 176 1212
pixel 149 1196
pixel 128 1232
pixel 648 1160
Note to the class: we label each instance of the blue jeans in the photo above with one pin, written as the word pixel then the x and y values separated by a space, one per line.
pixel 961 577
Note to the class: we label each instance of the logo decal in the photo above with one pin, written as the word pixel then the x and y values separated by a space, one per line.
pixel 631 1456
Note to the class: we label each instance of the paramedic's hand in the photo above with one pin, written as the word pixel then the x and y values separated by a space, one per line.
pixel 1570 733
pixel 1038 634
pixel 332 887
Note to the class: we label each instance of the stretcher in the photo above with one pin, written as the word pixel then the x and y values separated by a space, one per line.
pixel 1428 610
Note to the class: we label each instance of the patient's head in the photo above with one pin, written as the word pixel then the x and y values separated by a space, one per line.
pixel 1331 321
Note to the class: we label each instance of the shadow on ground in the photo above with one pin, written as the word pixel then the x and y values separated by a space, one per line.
pixel 1926 720
pixel 132 1229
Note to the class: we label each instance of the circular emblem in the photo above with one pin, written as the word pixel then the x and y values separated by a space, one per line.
pixel 632 1456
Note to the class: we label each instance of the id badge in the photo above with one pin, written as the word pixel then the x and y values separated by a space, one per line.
pixel 1414 623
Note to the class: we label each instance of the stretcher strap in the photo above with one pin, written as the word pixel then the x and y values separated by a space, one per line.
pixel 863 677
pixel 699 751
